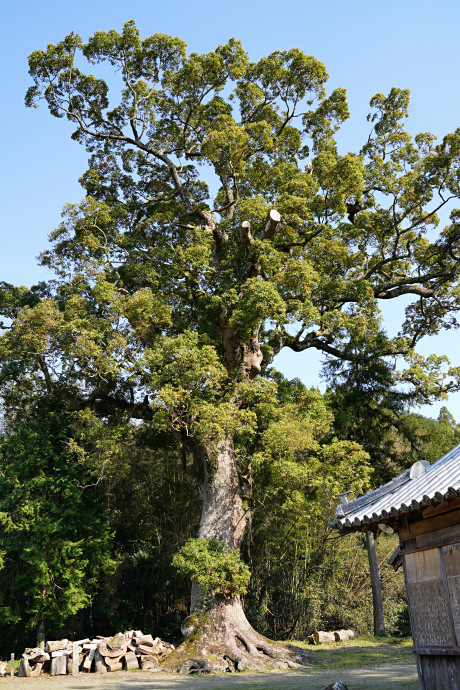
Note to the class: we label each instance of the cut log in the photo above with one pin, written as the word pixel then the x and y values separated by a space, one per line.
pixel 131 661
pixel 117 640
pixel 320 637
pixel 110 653
pixel 147 649
pixel 36 655
pixel 146 640
pixel 59 665
pixel 55 645
pixel 99 663
pixel 164 648
pixel 341 635
pixel 114 661
pixel 88 660
pixel 149 663
pixel 27 670
pixel 129 650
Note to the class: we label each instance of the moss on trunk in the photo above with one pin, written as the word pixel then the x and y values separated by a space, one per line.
pixel 222 640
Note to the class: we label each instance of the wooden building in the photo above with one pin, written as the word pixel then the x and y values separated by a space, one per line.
pixel 423 506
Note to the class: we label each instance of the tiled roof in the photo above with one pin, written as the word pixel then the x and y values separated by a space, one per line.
pixel 441 481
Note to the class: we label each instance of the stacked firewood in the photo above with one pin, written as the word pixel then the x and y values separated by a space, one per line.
pixel 130 650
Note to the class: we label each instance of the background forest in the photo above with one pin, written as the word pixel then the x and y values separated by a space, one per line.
pixel 92 513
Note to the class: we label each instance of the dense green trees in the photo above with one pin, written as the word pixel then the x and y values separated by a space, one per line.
pixel 220 225
pixel 55 540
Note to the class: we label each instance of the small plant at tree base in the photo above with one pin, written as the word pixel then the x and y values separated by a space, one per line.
pixel 216 570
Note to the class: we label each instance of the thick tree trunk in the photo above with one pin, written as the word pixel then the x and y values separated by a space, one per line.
pixel 219 636
pixel 224 516
pixel 221 639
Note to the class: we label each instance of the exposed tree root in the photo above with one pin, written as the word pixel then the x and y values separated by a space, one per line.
pixel 221 639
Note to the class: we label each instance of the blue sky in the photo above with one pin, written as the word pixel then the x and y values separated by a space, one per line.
pixel 367 48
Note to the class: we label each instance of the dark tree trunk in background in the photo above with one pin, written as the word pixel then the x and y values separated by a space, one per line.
pixel 377 601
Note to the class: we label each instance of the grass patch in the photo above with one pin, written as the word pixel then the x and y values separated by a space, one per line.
pixel 363 651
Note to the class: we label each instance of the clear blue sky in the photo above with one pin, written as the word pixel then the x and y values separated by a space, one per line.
pixel 366 46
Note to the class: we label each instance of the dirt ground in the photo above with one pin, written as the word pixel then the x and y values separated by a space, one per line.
pixel 401 676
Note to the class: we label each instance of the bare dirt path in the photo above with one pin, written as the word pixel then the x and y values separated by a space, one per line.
pixel 397 676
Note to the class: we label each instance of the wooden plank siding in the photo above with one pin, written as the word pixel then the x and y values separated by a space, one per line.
pixel 430 549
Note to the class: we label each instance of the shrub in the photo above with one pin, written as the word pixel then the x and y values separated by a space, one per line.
pixel 217 570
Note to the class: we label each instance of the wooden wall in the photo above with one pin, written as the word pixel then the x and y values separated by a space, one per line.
pixel 430 546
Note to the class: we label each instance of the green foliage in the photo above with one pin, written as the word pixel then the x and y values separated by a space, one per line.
pixel 429 439
pixel 149 262
pixel 152 512
pixel 55 537
pixel 298 470
pixel 216 570
pixel 166 311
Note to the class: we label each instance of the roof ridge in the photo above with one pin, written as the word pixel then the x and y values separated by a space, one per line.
pixel 440 481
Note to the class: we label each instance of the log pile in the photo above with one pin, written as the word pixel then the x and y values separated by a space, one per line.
pixel 129 650
pixel 320 637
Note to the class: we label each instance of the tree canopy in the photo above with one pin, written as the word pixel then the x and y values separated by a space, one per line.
pixel 221 224
pixel 155 262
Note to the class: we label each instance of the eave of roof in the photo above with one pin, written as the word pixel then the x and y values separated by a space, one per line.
pixel 440 482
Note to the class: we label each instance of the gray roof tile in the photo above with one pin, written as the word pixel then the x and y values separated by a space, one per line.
pixel 403 494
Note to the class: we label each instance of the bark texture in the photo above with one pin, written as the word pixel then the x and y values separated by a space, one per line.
pixel 223 514
pixel 221 639
pixel 218 635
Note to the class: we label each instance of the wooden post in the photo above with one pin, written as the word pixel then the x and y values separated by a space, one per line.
pixel 41 636
pixel 75 659
pixel 12 666
pixel 379 622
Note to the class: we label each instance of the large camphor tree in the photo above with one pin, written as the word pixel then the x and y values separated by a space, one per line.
pixel 173 295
